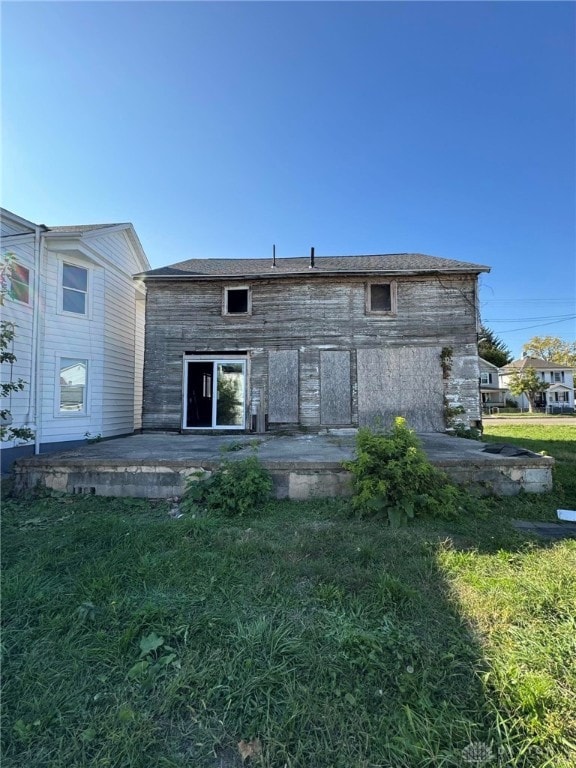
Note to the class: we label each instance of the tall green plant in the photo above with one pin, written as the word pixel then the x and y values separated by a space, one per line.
pixel 392 477
pixel 235 489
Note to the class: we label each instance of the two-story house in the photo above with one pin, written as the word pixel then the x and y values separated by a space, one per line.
pixel 558 397
pixel 240 344
pixel 492 395
pixel 79 331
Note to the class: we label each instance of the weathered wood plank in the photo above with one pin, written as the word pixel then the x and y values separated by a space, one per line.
pixel 283 386
pixel 401 382
pixel 335 395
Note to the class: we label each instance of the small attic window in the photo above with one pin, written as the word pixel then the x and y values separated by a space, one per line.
pixel 236 301
pixel 381 298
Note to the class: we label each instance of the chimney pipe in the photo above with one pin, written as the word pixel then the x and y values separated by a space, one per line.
pixel 273 257
pixel 311 259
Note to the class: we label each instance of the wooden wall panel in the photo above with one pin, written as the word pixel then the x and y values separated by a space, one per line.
pixel 401 382
pixel 283 393
pixel 335 393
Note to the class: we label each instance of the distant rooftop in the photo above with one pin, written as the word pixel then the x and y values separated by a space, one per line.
pixel 391 263
pixel 534 362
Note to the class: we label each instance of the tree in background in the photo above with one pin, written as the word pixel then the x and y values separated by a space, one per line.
pixel 493 349
pixel 7 332
pixel 526 382
pixel 553 349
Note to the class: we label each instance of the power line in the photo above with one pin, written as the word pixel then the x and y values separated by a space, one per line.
pixel 540 325
pixel 523 319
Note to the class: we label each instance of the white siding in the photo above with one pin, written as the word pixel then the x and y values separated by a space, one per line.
pixel 119 355
pixel 117 249
pixel 72 337
pixel 19 403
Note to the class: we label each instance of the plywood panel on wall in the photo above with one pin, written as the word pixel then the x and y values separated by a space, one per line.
pixel 335 394
pixel 283 386
pixel 405 381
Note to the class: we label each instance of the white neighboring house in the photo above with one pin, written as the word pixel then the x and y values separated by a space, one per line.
pixel 79 342
pixel 492 395
pixel 560 394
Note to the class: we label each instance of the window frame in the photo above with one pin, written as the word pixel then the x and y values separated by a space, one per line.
pixel 61 288
pixel 226 289
pixel 485 378
pixel 393 311
pixel 18 265
pixel 58 412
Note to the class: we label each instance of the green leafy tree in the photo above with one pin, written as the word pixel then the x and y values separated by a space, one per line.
pixel 7 334
pixel 553 349
pixel 493 349
pixel 527 382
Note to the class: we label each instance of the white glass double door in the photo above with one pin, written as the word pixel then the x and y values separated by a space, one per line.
pixel 214 393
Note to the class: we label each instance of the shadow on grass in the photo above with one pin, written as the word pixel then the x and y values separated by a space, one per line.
pixel 132 639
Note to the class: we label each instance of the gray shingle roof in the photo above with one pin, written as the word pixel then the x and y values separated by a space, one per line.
pixel 391 263
pixel 533 362
pixel 83 227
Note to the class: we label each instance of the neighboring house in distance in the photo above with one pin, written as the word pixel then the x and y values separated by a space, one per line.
pixel 492 395
pixel 560 394
pixel 241 344
pixel 79 343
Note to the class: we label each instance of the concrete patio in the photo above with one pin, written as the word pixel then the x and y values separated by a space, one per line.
pixel 157 465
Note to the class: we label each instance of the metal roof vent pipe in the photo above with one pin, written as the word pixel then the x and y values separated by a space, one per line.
pixel 273 257
pixel 311 259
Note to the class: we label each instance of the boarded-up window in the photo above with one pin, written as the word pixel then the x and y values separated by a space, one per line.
pixel 335 399
pixel 283 386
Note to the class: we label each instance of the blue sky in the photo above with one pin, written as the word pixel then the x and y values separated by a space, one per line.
pixel 218 129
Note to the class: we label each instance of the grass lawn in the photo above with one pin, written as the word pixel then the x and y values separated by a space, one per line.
pixel 131 639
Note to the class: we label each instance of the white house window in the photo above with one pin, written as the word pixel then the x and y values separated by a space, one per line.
pixel 485 378
pixel 237 301
pixel 381 298
pixel 74 289
pixel 558 376
pixel 20 283
pixel 561 397
pixel 73 378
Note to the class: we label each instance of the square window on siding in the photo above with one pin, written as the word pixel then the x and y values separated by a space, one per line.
pixel 74 289
pixel 381 298
pixel 20 283
pixel 73 379
pixel 237 301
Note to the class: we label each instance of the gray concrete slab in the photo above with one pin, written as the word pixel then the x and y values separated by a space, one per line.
pixel 159 463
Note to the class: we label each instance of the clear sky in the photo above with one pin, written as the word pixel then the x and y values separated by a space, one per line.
pixel 218 129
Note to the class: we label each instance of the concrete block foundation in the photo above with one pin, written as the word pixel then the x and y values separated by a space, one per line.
pixel 303 467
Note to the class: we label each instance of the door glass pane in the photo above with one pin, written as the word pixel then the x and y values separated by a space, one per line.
pixel 199 395
pixel 230 395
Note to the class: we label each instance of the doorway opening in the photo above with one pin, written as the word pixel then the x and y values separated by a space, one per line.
pixel 214 394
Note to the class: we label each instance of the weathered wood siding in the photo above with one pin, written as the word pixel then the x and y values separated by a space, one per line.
pixel 313 315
